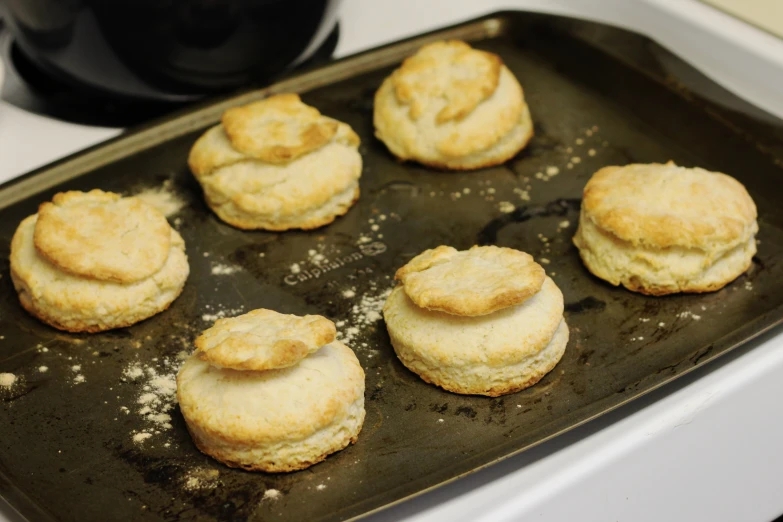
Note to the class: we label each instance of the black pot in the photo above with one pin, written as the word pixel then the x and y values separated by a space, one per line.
pixel 167 50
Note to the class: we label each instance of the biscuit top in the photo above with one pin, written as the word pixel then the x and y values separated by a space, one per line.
pixel 473 282
pixel 449 72
pixel 103 236
pixel 275 130
pixel 263 340
pixel 665 206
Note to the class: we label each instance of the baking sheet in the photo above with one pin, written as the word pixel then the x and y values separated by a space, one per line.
pixel 85 433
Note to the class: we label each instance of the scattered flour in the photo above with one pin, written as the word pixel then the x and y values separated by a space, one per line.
pixel 221 269
pixel 552 171
pixel 78 379
pixel 524 195
pixel 544 261
pixel 349 293
pixel 365 314
pixel 295 268
pixel 43 369
pixel 320 487
pixel 162 198
pixel 506 207
pixel 271 494
pixel 564 224
pixel 220 314
pixel 7 379
pixel 133 372
pixel 687 314
pixel 201 478
pixel 140 437
pixel 157 393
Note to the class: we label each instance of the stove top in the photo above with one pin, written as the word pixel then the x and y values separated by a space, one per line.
pixel 34 90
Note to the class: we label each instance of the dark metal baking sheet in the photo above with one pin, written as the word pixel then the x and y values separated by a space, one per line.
pixel 66 450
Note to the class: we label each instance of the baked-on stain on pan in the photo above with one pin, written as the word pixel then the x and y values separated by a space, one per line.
pixel 111 445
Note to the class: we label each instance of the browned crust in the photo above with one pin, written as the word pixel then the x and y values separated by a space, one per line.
pixel 491 391
pixel 666 229
pixel 635 284
pixel 239 125
pixel 80 327
pixel 462 95
pixel 267 467
pixel 490 162
pixel 284 352
pixel 309 225
pixel 57 237
pixel 419 288
pixel 287 352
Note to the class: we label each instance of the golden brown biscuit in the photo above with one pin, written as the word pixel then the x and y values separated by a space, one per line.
pixel 263 340
pixel 278 164
pixel 275 420
pixel 103 236
pixel 96 301
pixel 278 129
pixel 662 229
pixel 488 353
pixel 474 282
pixel 453 107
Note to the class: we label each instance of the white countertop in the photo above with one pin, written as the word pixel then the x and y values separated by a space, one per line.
pixel 703 448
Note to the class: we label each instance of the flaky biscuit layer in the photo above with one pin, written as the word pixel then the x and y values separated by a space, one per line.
pixel 263 340
pixel 290 179
pixel 492 354
pixel 661 229
pixel 473 282
pixel 275 420
pixel 103 236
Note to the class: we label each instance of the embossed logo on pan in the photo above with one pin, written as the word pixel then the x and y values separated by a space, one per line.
pixel 369 250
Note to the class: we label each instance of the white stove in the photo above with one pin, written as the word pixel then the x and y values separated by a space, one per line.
pixel 703 448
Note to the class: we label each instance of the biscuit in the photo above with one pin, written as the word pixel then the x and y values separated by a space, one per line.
pixel 278 164
pixel 263 340
pixel 662 229
pixel 114 284
pixel 276 420
pixel 454 107
pixel 494 353
pixel 478 281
